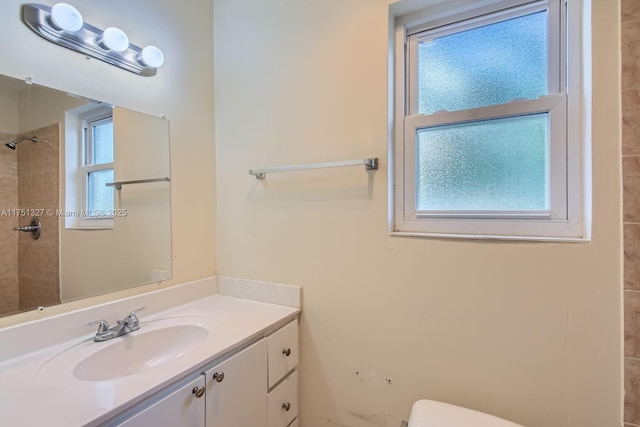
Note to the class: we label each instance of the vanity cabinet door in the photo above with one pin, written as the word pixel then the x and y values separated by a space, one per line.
pixel 181 408
pixel 283 352
pixel 237 389
pixel 283 402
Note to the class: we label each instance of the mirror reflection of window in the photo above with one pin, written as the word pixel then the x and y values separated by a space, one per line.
pixel 97 166
pixel 76 253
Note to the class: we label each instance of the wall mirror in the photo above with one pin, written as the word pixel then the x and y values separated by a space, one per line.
pixel 97 178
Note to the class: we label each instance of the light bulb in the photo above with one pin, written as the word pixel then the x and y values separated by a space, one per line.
pixel 114 39
pixel 66 17
pixel 151 56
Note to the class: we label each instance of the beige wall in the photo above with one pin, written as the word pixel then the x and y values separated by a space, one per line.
pixel 139 242
pixel 9 106
pixel 527 331
pixel 182 91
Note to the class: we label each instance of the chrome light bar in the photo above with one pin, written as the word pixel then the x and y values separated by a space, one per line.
pixel 85 40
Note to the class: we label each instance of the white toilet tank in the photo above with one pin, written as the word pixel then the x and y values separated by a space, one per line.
pixel 429 413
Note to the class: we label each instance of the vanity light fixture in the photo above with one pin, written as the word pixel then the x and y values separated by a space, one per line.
pixel 66 17
pixel 151 56
pixel 63 24
pixel 113 39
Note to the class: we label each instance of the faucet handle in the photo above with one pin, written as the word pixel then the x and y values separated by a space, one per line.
pixel 102 328
pixel 133 316
pixel 138 309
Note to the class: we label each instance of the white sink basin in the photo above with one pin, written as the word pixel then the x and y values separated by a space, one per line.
pixel 136 353
pixel 156 344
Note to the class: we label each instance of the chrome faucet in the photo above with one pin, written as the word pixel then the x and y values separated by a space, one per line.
pixel 123 327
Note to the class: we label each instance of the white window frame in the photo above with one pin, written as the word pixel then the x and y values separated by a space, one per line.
pixel 78 146
pixel 95 118
pixel 565 219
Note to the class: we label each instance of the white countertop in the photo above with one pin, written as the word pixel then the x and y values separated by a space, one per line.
pixel 26 399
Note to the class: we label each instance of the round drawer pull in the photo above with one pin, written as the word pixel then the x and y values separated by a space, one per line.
pixel 286 352
pixel 218 376
pixel 286 406
pixel 198 391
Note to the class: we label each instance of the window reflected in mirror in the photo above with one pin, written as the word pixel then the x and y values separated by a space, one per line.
pixel 97 237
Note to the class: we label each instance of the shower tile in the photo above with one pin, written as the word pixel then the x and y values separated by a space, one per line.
pixel 27 294
pixel 632 390
pixel 7 223
pixel 630 53
pixel 50 191
pixel 25 259
pixel 54 271
pixel 42 153
pixel 9 256
pixel 631 188
pixel 25 162
pixel 51 161
pixel 35 291
pixel 632 323
pixel 632 256
pixel 25 189
pixel 8 192
pixel 49 226
pixel 44 292
pixel 631 122
pixel 630 10
pixel 40 256
pixel 9 294
pixel 49 261
pixel 8 160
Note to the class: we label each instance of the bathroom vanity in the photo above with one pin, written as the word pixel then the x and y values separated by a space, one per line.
pixel 232 392
pixel 214 360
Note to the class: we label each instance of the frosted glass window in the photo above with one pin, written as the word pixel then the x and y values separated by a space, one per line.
pixel 99 196
pixel 102 143
pixel 495 165
pixel 481 125
pixel 483 66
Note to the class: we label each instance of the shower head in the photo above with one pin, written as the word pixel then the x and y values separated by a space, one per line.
pixel 13 144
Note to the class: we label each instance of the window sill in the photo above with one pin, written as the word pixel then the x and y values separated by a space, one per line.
pixel 489 237
pixel 98 227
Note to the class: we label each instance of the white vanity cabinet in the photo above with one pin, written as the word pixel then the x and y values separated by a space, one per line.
pixel 185 407
pixel 255 387
pixel 236 389
pixel 283 378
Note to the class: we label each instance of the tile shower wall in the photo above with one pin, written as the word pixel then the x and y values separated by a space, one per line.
pixel 631 183
pixel 8 237
pixel 38 190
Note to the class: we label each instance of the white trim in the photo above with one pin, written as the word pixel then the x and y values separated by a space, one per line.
pixel 487 237
pixel 454 11
pixel 89 121
pixel 554 105
pixel 76 121
pixel 568 159
pixel 542 104
pixel 397 184
pixel 458 26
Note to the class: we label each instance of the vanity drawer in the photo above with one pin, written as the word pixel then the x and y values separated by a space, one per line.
pixel 283 402
pixel 282 352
